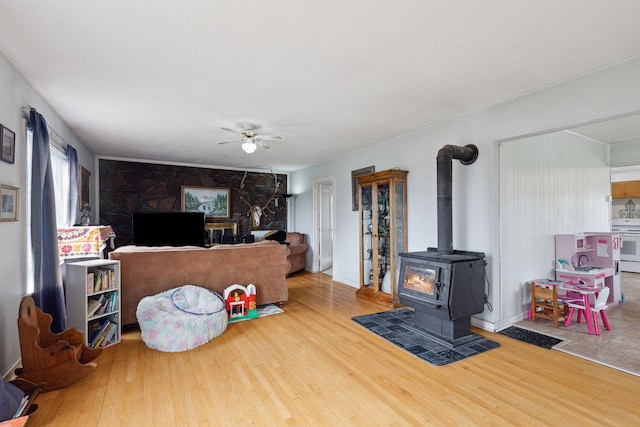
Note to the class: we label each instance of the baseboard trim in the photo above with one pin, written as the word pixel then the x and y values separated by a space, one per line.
pixel 10 375
pixel 497 326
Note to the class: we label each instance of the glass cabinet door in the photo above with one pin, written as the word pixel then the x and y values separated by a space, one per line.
pixel 383 237
pixel 399 216
pixel 366 203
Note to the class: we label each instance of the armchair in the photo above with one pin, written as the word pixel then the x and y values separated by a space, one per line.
pixel 298 247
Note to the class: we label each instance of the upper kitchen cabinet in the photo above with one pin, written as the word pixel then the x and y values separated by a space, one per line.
pixel 625 189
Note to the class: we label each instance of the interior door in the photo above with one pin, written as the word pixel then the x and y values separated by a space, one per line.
pixel 325 221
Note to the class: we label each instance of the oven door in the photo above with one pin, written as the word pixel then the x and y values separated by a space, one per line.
pixel 630 250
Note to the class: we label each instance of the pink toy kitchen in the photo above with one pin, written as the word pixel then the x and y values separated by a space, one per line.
pixel 592 259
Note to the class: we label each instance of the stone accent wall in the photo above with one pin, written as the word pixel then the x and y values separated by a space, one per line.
pixel 127 187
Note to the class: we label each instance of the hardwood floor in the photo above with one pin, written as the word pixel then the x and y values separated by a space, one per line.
pixel 314 366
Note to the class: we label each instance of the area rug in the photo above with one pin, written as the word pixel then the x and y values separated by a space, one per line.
pixel 264 311
pixel 397 327
pixel 530 337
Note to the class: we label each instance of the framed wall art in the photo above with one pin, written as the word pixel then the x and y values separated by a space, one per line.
pixel 8 152
pixel 213 201
pixel 84 192
pixel 9 202
pixel 354 184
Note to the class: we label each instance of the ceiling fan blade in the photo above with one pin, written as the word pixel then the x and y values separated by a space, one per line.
pixel 272 137
pixel 264 145
pixel 231 140
pixel 231 130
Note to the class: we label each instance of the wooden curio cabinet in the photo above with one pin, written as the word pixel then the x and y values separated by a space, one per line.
pixel 382 198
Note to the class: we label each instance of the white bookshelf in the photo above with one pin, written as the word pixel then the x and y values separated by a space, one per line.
pixel 82 288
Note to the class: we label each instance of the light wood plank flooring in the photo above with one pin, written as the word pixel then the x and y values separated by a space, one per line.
pixel 314 366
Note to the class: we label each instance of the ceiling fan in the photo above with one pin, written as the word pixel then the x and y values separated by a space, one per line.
pixel 250 137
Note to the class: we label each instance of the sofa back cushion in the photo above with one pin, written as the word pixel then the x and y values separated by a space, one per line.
pixel 295 238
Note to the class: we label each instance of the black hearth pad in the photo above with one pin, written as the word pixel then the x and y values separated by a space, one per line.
pixel 397 327
pixel 530 337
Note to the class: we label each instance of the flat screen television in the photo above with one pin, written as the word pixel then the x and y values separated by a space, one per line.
pixel 168 228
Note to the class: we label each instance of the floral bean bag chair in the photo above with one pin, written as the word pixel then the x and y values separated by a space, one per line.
pixel 181 318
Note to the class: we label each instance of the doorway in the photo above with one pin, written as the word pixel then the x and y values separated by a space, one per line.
pixel 323 190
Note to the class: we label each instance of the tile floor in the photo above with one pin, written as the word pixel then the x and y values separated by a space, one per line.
pixel 619 347
pixel 397 327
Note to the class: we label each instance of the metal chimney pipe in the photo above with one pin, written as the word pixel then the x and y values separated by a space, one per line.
pixel 467 155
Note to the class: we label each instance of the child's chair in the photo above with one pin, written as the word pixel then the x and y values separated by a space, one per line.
pixel 599 305
pixel 546 304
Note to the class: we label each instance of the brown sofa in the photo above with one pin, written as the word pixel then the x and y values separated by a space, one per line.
pixel 146 271
pixel 297 251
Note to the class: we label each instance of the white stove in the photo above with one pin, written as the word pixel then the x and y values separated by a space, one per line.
pixel 625 223
pixel 629 228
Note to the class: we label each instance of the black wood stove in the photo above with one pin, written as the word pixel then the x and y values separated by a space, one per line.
pixel 444 286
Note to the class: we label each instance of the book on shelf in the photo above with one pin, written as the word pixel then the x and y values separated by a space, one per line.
pixel 92 306
pixel 96 282
pixel 114 302
pixel 100 339
pixel 90 282
pixel 104 305
pixel 109 335
pixel 103 279
pixel 98 333
pixel 102 300
pixel 106 281
pixel 116 334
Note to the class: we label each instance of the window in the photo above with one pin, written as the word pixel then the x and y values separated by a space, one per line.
pixel 61 179
pixel 61 183
pixel 30 286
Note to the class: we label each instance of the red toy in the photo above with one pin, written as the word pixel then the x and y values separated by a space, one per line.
pixel 240 302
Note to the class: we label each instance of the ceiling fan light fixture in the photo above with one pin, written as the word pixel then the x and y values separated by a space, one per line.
pixel 249 147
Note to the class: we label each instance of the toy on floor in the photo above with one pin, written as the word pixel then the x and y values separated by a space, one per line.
pixel 240 302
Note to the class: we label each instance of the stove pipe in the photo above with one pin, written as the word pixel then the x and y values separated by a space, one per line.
pixel 467 155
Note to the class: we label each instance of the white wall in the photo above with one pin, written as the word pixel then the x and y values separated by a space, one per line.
pixel 625 154
pixel 550 184
pixel 609 92
pixel 627 173
pixel 15 92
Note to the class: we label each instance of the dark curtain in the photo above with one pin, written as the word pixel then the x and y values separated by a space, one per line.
pixel 48 292
pixel 72 157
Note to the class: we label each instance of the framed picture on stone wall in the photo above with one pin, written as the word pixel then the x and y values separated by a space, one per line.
pixel 213 201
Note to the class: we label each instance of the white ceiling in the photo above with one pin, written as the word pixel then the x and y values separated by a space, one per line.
pixel 157 80
pixel 623 129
